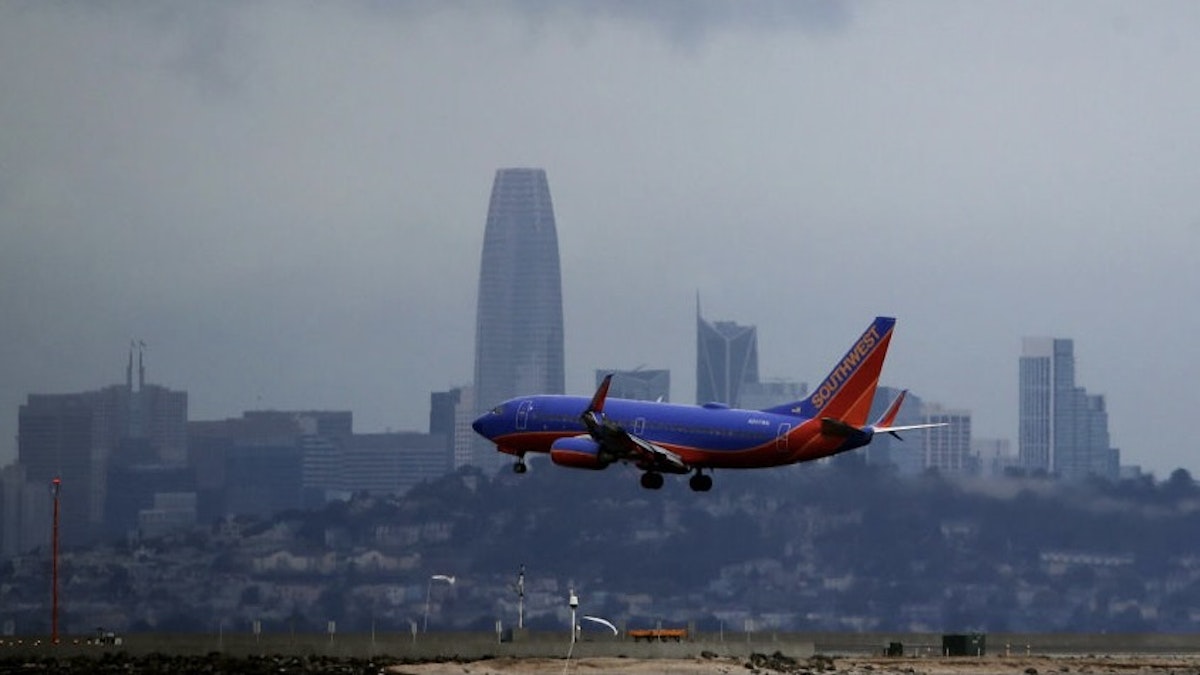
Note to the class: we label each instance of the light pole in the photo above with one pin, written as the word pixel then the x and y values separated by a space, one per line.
pixel 521 597
pixel 573 601
pixel 429 591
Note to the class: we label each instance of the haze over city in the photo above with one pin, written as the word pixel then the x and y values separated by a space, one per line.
pixel 286 202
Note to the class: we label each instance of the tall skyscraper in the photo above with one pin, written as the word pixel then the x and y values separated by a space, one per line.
pixel 519 325
pixel 726 358
pixel 1062 428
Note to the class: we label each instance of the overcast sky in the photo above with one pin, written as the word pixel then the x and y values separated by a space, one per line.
pixel 286 200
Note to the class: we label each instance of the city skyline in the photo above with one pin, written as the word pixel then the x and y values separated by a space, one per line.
pixel 1033 349
pixel 284 201
pixel 1039 357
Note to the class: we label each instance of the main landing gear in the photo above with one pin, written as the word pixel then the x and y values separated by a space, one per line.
pixel 652 480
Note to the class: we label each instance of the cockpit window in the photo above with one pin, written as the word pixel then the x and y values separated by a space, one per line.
pixel 498 410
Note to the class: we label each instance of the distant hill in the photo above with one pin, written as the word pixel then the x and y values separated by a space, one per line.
pixel 813 547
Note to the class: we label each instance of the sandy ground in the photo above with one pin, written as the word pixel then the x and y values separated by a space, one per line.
pixel 1095 665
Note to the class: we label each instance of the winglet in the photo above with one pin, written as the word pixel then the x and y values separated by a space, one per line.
pixel 593 415
pixel 597 404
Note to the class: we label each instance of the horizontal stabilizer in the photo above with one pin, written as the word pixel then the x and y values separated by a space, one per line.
pixel 909 427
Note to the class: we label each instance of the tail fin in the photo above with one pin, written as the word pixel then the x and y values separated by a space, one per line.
pixel 847 391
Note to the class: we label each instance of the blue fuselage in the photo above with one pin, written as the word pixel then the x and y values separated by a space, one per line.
pixel 704 436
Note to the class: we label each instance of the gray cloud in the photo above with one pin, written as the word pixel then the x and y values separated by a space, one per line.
pixel 688 22
pixel 287 201
pixel 685 22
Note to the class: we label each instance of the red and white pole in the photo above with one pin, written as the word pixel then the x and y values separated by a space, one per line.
pixel 55 485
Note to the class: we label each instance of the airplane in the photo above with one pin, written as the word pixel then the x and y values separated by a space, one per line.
pixel 665 438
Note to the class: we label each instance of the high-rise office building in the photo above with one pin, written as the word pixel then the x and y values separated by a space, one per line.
pixel 1062 429
pixel 640 385
pixel 303 451
pixel 450 416
pixel 464 441
pixel 262 480
pixel 442 405
pixel 88 438
pixel 25 512
pixel 726 358
pixel 55 439
pixel 393 462
pixel 519 324
pixel 948 448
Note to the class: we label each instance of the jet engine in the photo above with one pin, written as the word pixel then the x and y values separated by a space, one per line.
pixel 578 452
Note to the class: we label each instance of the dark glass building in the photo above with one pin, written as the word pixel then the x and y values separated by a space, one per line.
pixel 519 325
pixel 726 358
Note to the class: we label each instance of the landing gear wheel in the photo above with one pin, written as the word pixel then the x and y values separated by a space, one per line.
pixel 700 482
pixel 652 480
pixel 520 466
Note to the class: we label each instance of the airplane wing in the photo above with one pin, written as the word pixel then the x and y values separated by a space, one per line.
pixel 615 441
pixel 649 454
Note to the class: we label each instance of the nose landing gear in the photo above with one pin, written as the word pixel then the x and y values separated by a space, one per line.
pixel 520 466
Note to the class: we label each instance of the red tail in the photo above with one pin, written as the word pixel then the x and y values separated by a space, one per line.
pixel 846 393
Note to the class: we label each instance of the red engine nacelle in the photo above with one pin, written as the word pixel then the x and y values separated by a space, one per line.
pixel 578 452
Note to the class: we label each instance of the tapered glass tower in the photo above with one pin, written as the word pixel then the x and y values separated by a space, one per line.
pixel 518 322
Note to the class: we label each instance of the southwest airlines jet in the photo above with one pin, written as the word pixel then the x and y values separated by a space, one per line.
pixel 661 438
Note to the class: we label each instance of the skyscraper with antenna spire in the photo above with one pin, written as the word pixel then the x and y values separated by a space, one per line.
pixel 80 437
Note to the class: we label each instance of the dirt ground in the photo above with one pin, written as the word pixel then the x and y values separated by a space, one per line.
pixel 1093 665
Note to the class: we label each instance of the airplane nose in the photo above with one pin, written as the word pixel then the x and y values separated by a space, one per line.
pixel 477 425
